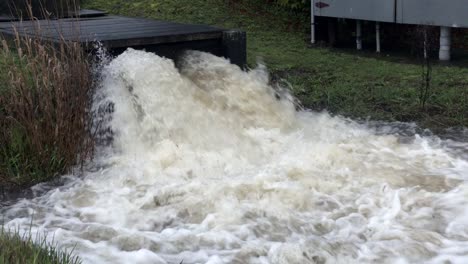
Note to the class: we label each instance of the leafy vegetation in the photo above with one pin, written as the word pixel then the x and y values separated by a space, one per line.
pixel 293 4
pixel 358 85
pixel 22 249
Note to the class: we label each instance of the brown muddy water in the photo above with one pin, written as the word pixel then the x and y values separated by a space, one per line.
pixel 208 166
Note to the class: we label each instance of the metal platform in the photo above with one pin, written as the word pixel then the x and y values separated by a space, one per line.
pixel 118 33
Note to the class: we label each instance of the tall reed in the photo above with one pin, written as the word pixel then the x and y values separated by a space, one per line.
pixel 45 103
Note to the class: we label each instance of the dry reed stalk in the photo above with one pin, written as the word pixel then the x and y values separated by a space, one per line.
pixel 45 117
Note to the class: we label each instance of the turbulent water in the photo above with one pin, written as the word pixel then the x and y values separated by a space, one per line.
pixel 210 164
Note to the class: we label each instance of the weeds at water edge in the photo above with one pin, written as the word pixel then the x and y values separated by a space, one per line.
pixel 45 102
pixel 19 249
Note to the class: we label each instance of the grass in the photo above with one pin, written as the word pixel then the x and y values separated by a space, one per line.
pixel 358 85
pixel 22 249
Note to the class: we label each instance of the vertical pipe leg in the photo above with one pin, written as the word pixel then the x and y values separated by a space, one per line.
pixel 426 43
pixel 358 35
pixel 377 37
pixel 312 23
pixel 445 42
pixel 331 32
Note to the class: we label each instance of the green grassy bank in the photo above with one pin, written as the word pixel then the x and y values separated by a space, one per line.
pixel 357 85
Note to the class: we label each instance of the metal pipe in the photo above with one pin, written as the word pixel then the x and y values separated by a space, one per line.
pixel 358 35
pixel 312 23
pixel 331 32
pixel 425 44
pixel 445 42
pixel 377 36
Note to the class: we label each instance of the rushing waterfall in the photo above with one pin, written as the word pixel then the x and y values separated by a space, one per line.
pixel 210 164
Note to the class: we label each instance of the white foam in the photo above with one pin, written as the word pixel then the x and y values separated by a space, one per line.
pixel 208 166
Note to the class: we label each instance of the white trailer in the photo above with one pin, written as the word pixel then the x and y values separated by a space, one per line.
pixel 446 14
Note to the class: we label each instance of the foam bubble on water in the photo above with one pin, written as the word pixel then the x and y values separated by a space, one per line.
pixel 207 165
